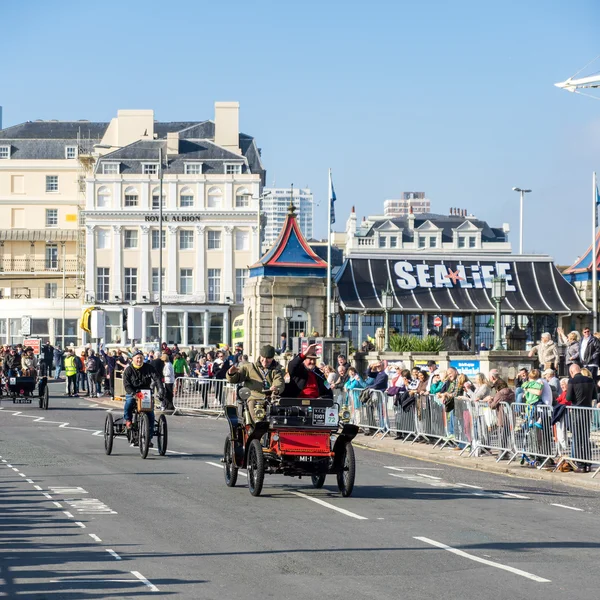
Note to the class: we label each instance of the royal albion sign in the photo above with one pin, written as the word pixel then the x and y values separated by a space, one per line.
pixel 174 218
pixel 473 275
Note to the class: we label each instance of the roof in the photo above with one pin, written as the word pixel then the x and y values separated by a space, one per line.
pixel 51 130
pixel 457 286
pixel 581 269
pixel 290 255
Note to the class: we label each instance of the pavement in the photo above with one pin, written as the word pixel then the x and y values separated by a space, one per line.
pixel 77 524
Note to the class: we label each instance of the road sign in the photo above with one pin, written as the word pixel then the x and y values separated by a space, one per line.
pixel 35 343
pixel 25 326
pixel 156 315
pixel 437 322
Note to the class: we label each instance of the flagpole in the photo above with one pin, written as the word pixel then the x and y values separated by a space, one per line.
pixel 328 307
pixel 594 265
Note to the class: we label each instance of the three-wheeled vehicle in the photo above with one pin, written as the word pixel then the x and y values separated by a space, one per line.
pixel 138 433
pixel 22 390
pixel 291 436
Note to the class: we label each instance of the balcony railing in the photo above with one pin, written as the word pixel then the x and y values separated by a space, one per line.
pixel 38 265
pixel 48 293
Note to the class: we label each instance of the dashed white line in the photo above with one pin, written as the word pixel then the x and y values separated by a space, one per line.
pixel 63 425
pixel 429 476
pixel 515 495
pixel 39 419
pixel 29 481
pixel 22 474
pixel 9 466
pixel 222 467
pixel 113 553
pixel 94 537
pixel 80 524
pixel 483 560
pixel 3 460
pixel 58 504
pixel 15 469
pixel 38 488
pixel 47 495
pixel 331 506
pixel 475 487
pixel 68 514
pixel 394 468
pixel 569 507
pixel 152 587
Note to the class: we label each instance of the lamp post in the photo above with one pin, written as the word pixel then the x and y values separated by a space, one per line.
pixel 334 309
pixel 387 298
pixel 498 295
pixel 160 247
pixel 522 192
pixel 288 312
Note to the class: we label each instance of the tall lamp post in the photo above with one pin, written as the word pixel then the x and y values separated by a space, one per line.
pixel 288 312
pixel 334 309
pixel 522 192
pixel 387 298
pixel 498 295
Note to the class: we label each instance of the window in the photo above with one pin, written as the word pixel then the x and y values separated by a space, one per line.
pixel 71 152
pixel 102 284
pixel 4 152
pixel 155 235
pixel 110 168
pixel 432 242
pixel 155 280
pixel 233 169
pixel 242 198
pixel 174 327
pixel 393 241
pixel 214 285
pixel 51 290
pixel 186 198
pixel 193 169
pixel 461 242
pixel 472 242
pixel 103 198
pixel 52 183
pixel 131 197
pixel 186 239
pixel 186 281
pixel 242 240
pixel 150 168
pixel 215 329
pixel 102 239
pixel 195 328
pixel 240 280
pixel 214 240
pixel 214 198
pixel 421 242
pixel 131 238
pixel 130 292
pixel 51 256
pixel 155 204
pixel 382 242
pixel 52 217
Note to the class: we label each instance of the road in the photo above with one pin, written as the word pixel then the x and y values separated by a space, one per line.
pixel 77 524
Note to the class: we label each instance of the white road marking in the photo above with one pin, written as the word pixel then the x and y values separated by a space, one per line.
pixel 90 506
pixel 15 469
pixel 394 468
pixel 113 553
pixel 80 524
pixel 39 419
pixel 331 506
pixel 3 460
pixel 68 514
pixel 483 560
pixel 63 425
pixel 9 466
pixel 79 428
pixel 175 452
pixel 95 537
pixel 98 432
pixel 569 507
pixel 47 496
pixel 515 495
pixel 38 488
pixel 475 487
pixel 215 465
pixel 58 504
pixel 26 416
pixel 29 481
pixel 67 490
pixel 152 587
pixel 429 476
pixel 22 474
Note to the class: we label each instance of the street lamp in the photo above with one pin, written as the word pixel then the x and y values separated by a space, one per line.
pixel 334 309
pixel 498 295
pixel 288 312
pixel 522 192
pixel 387 298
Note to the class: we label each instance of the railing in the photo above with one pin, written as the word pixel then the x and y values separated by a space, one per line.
pixel 17 293
pixel 203 396
pixel 38 265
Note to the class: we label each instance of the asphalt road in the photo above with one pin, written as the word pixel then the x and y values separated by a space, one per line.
pixel 77 524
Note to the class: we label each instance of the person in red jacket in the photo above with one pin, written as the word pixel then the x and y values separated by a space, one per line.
pixel 306 379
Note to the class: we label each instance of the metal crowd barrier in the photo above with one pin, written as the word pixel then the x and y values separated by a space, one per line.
pixel 533 435
pixel 493 429
pixel 371 414
pixel 204 396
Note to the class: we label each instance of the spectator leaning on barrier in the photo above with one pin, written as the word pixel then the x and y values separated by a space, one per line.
pixel 550 376
pixel 522 377
pixel 482 388
pixel 378 375
pixel 589 352
pixel 497 383
pixel 533 387
pixel 451 389
pixel 546 351
pixel 436 385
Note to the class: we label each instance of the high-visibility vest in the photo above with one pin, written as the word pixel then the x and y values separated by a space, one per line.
pixel 70 368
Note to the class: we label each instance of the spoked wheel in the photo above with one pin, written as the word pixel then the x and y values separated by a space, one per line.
pixel 231 471
pixel 41 401
pixel 163 435
pixel 256 468
pixel 109 433
pixel 318 480
pixel 144 434
pixel 345 478
pixel 46 397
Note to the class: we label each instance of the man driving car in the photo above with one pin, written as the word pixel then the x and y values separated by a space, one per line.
pixel 262 378
pixel 140 376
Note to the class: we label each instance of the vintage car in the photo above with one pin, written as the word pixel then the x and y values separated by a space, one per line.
pixel 22 390
pixel 296 437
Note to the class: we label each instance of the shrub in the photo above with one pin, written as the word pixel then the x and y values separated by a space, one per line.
pixel 414 343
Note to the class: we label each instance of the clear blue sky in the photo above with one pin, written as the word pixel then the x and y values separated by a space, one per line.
pixel 452 98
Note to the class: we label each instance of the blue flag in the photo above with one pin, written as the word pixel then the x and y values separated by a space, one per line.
pixel 332 199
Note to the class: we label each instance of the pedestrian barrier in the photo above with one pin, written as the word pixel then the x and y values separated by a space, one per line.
pixel 493 429
pixel 370 411
pixel 430 419
pixel 205 396
pixel 533 435
pixel 578 437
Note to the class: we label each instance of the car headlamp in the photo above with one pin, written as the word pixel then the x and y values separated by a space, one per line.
pixel 345 415
pixel 259 413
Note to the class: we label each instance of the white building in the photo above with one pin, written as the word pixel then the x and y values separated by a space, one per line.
pixel 402 206
pixel 212 178
pixel 275 204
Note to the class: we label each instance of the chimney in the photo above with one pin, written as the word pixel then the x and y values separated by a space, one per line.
pixel 227 126
pixel 172 143
pixel 411 219
pixel 133 125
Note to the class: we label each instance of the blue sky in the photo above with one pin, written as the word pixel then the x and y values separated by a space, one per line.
pixel 452 98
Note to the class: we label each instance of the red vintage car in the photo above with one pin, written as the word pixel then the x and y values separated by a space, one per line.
pixel 296 437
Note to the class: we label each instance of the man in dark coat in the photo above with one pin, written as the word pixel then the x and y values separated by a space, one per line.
pixel 47 356
pixel 589 352
pixel 306 380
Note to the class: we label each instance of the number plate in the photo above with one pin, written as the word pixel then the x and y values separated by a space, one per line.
pixel 305 458
pixel 327 417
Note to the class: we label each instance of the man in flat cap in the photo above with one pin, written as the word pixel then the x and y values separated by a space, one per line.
pixel 264 375
pixel 306 379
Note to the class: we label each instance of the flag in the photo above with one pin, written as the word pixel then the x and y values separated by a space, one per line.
pixel 597 203
pixel 332 199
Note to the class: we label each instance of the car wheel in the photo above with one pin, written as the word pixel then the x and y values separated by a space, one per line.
pixel 256 468
pixel 109 433
pixel 144 434
pixel 345 478
pixel 318 480
pixel 231 471
pixel 162 435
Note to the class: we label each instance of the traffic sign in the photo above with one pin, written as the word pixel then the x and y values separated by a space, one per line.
pixel 35 343
pixel 25 326
pixel 437 322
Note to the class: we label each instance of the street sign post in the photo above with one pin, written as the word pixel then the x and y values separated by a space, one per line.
pixel 437 322
pixel 25 326
pixel 156 315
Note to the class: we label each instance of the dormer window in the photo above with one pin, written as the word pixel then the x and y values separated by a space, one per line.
pixel 433 242
pixel 382 242
pixel 461 241
pixel 71 152
pixel 233 169
pixel 472 242
pixel 193 168
pixel 4 152
pixel 110 168
pixel 150 168
pixel 421 242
